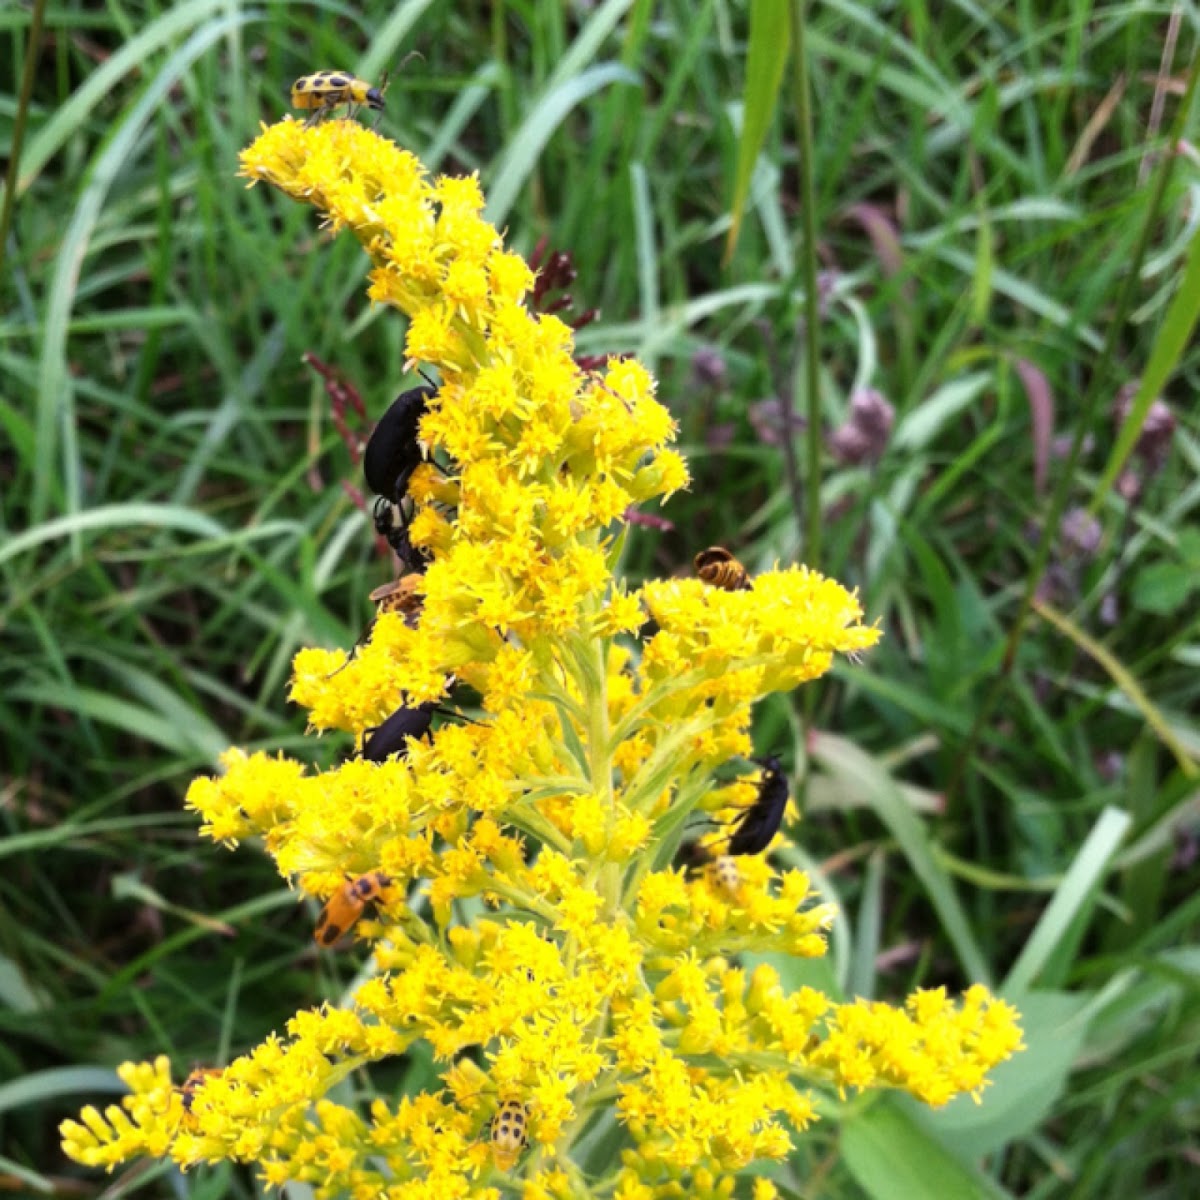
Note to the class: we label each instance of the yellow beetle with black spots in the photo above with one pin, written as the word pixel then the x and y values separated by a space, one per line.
pixel 508 1133
pixel 323 91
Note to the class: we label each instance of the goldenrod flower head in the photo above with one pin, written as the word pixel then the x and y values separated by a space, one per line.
pixel 602 980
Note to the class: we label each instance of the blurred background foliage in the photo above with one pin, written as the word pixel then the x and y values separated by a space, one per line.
pixel 1005 206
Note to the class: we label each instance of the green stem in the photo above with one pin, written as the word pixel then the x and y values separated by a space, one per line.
pixel 812 322
pixel 812 301
pixel 685 804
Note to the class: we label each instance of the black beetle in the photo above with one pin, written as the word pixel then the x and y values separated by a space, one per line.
pixel 760 822
pixel 391 525
pixel 393 451
pixel 391 736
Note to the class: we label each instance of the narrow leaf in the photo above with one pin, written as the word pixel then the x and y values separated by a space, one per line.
pixel 526 147
pixel 1125 680
pixel 766 56
pixel 1070 902
pixel 41 1087
pixel 1168 347
pixel 845 759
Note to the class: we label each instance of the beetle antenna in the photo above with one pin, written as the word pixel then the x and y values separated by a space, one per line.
pixel 455 716
pixel 383 82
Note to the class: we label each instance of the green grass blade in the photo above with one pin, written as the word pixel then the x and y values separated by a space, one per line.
pixel 868 931
pixel 74 833
pixel 56 1082
pixel 647 255
pixel 766 58
pixel 386 41
pixel 113 516
pixel 1125 680
pixel 1165 354
pixel 68 119
pixel 519 159
pixel 1057 933
pixel 55 392
pixel 842 757
pixel 189 741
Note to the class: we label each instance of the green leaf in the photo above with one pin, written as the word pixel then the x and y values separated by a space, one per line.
pixel 766 56
pixel 386 39
pixel 796 973
pixel 868 929
pixel 1023 1089
pixel 922 424
pixel 113 516
pixel 55 412
pixel 17 995
pixel 891 1156
pixel 70 119
pixel 1138 1002
pixel 57 1082
pixel 1163 588
pixel 1126 681
pixel 189 738
pixel 1188 543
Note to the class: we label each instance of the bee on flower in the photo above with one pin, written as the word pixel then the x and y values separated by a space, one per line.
pixel 187 1089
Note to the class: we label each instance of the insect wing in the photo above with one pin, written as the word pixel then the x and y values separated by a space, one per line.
pixel 338 917
pixel 401 597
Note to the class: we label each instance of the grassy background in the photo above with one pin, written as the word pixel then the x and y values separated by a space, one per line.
pixel 175 528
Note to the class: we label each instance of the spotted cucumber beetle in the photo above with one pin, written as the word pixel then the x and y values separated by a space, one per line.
pixel 721 869
pixel 724 872
pixel 324 91
pixel 508 1134
pixel 344 908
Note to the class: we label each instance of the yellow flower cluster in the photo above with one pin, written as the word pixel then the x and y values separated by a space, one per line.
pixel 606 983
